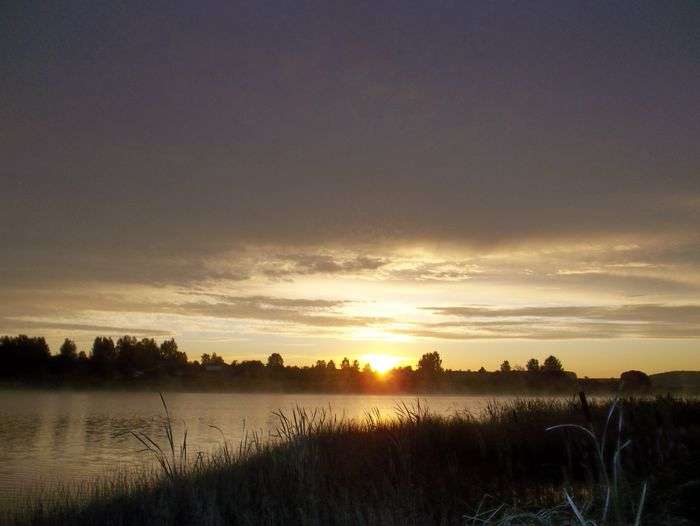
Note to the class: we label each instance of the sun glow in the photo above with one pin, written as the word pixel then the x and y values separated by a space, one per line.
pixel 377 334
pixel 381 363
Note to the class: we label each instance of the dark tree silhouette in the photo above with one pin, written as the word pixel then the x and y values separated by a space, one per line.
pixel 68 350
pixel 533 365
pixel 134 356
pixel 252 370
pixel 214 360
pixel 430 364
pixel 126 353
pixel 170 354
pixel 275 360
pixel 23 356
pixel 66 360
pixel 103 352
pixel 140 361
pixel 552 365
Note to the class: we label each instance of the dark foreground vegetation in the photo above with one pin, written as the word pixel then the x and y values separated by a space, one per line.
pixel 635 463
pixel 133 363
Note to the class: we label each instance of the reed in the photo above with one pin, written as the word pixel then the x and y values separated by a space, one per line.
pixel 604 497
pixel 520 463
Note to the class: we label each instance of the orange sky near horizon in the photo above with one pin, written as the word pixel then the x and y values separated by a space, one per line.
pixel 586 304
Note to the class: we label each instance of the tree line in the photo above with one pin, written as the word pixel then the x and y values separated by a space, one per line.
pixel 133 361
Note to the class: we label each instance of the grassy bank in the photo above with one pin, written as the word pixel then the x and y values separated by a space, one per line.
pixel 636 463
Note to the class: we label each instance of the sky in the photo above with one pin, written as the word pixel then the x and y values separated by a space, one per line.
pixel 492 180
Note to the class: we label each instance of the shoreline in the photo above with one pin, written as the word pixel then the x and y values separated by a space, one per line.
pixel 154 388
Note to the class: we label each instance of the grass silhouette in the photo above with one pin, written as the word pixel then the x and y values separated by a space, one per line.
pixel 524 462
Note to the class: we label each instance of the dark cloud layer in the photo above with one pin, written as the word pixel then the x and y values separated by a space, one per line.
pixel 187 129
pixel 300 264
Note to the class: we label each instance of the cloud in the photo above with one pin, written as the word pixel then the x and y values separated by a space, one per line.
pixel 40 268
pixel 580 331
pixel 260 310
pixel 287 311
pixel 306 264
pixel 632 312
pixel 182 310
pixel 289 303
pixel 8 325
pixel 440 271
pixel 563 322
pixel 380 140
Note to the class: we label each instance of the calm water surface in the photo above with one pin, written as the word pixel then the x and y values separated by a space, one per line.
pixel 50 437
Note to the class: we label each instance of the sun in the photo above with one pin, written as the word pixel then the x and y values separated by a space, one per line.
pixel 381 363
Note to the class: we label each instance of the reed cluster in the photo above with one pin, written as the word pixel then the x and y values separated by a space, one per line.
pixel 527 462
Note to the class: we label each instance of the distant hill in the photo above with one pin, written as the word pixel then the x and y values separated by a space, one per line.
pixel 677 380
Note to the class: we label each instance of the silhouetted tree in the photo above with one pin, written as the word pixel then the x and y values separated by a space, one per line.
pixel 23 356
pixel 214 360
pixel 66 359
pixel 218 360
pixel 275 361
pixel 552 365
pixel 251 370
pixel 103 352
pixel 134 356
pixel 170 355
pixel 126 353
pixel 148 354
pixel 68 350
pixel 533 365
pixel 430 364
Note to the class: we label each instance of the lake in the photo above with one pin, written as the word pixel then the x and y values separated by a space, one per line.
pixel 56 437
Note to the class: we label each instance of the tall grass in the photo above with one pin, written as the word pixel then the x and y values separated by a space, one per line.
pixel 607 495
pixel 541 461
pixel 173 465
